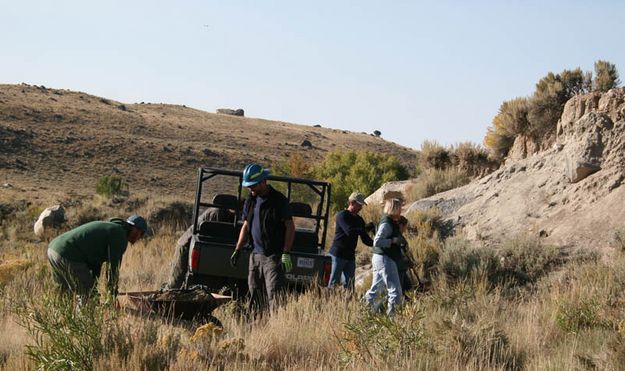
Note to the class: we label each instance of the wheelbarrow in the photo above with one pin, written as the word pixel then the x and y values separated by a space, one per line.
pixel 181 304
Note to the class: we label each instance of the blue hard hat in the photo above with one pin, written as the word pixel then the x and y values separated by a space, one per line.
pixel 253 174
pixel 139 222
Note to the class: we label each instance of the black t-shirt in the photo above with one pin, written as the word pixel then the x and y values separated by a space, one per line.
pixel 348 227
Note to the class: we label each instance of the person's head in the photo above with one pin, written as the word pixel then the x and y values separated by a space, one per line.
pixel 392 208
pixel 355 202
pixel 255 179
pixel 139 227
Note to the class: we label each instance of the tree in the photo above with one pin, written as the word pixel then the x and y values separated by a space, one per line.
pixel 377 133
pixel 606 76
pixel 361 171
pixel 511 120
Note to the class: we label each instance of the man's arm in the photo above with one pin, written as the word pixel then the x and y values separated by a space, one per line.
pixel 289 235
pixel 366 239
pixel 243 236
pixel 117 246
pixel 347 225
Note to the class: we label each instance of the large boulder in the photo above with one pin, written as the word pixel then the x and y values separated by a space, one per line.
pixel 398 189
pixel 51 218
pixel 584 145
pixel 232 112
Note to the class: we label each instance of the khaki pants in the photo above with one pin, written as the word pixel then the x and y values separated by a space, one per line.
pixel 71 276
pixel 266 271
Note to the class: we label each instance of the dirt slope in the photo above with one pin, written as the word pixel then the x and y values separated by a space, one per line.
pixel 62 140
pixel 571 194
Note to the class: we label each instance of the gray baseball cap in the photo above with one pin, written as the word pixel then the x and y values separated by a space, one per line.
pixel 358 197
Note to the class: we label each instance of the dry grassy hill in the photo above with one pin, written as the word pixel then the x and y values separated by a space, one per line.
pixel 60 140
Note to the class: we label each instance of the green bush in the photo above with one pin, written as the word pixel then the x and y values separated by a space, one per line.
pixel 377 339
pixel 606 76
pixel 361 171
pixel 110 186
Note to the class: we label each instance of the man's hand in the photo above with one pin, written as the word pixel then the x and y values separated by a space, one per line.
pixel 287 262
pixel 234 259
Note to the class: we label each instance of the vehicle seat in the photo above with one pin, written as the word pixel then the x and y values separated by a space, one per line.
pixel 218 232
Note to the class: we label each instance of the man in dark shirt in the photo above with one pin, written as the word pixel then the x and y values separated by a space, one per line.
pixel 268 224
pixel 349 226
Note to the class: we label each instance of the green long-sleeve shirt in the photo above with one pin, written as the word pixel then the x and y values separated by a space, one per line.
pixel 93 244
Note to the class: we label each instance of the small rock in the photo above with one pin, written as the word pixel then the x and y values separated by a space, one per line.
pixel 306 143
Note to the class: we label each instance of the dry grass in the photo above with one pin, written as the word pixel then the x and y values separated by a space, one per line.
pixel 567 316
pixel 71 139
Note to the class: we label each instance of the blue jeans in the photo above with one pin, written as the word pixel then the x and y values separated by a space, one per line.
pixel 384 274
pixel 346 269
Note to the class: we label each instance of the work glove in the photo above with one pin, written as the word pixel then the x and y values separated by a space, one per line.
pixel 234 259
pixel 286 262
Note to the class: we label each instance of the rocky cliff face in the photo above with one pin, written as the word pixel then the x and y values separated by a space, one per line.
pixel 570 194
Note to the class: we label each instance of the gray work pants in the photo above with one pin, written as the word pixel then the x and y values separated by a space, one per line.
pixel 266 271
pixel 71 276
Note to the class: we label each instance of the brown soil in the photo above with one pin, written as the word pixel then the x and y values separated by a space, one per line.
pixel 63 141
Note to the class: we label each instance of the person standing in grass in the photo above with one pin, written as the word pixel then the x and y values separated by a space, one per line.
pixel 349 226
pixel 386 253
pixel 268 225
pixel 76 256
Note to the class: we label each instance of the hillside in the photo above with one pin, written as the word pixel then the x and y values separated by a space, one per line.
pixel 570 194
pixel 60 140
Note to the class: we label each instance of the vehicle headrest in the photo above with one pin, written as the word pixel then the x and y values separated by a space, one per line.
pixel 301 209
pixel 226 201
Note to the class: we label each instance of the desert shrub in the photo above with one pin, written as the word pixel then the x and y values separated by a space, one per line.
pixel 479 342
pixel 433 181
pixel 461 261
pixel 175 215
pixel 472 159
pixel 73 334
pixel 361 171
pixel 574 316
pixel 618 240
pixel 68 334
pixel 606 76
pixel 432 155
pixel 87 214
pixel 376 339
pixel 110 185
pixel 524 259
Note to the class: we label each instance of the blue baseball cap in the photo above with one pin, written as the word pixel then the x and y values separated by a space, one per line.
pixel 139 222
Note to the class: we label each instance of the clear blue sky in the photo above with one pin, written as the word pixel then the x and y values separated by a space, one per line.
pixel 414 70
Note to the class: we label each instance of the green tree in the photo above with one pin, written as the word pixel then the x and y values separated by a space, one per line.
pixel 361 171
pixel 606 76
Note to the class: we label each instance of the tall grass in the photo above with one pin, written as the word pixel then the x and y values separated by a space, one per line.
pixel 516 305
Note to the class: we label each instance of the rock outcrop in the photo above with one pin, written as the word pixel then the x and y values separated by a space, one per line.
pixel 389 190
pixel 570 194
pixel 232 112
pixel 51 218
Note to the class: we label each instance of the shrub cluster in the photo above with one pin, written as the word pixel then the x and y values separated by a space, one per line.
pixel 443 168
pixel 535 117
pixel 361 171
